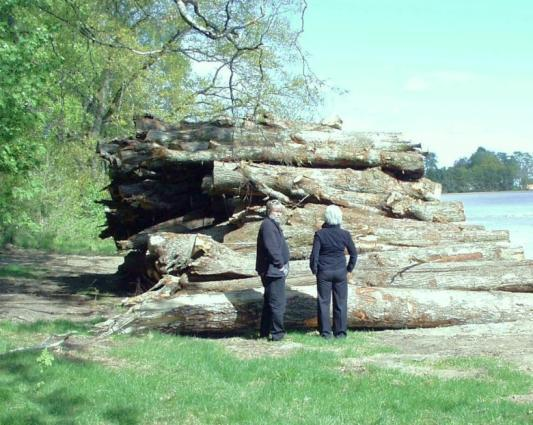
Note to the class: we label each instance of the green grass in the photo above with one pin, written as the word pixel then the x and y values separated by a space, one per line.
pixel 15 270
pixel 65 241
pixel 162 379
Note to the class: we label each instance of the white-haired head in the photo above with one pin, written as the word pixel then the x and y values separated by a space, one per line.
pixel 333 215
pixel 274 209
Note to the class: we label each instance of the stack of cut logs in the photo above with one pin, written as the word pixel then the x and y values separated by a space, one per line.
pixel 187 201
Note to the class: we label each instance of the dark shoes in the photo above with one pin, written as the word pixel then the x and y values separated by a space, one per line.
pixel 276 338
pixel 330 336
pixel 273 338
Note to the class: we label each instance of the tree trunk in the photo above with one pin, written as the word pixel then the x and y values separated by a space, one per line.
pixel 239 311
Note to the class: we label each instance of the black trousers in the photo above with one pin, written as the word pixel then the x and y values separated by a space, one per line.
pixel 274 301
pixel 335 281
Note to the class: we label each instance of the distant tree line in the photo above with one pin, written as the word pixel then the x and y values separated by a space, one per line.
pixel 483 171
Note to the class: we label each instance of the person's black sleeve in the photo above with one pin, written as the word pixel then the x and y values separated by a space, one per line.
pixel 271 239
pixel 313 259
pixel 352 251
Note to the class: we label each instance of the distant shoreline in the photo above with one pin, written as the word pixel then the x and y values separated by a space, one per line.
pixel 478 193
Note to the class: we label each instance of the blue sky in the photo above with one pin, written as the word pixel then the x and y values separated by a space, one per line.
pixel 452 75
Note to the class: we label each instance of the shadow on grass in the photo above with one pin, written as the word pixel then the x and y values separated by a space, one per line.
pixel 124 415
pixel 94 284
pixel 34 397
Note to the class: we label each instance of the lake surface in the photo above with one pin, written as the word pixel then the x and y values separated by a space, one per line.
pixel 511 211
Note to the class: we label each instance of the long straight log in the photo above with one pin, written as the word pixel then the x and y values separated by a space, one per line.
pixel 245 132
pixel 513 276
pixel 239 311
pixel 370 232
pixel 131 155
pixel 470 276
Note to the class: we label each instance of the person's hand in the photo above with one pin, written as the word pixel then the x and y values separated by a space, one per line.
pixel 350 278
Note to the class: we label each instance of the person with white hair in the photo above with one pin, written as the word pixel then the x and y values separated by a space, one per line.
pixel 272 265
pixel 328 264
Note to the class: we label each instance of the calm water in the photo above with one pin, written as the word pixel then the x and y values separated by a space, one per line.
pixel 511 211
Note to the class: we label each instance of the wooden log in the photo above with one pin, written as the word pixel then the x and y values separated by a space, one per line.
pixel 370 232
pixel 327 184
pixel 402 257
pixel 461 271
pixel 198 255
pixel 372 189
pixel 244 133
pixel 131 155
pixel 384 308
pixel 188 223
pixel 467 276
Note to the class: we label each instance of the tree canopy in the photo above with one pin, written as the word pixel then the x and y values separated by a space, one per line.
pixel 483 171
pixel 73 72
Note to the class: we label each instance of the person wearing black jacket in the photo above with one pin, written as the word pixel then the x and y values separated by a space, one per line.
pixel 272 264
pixel 328 264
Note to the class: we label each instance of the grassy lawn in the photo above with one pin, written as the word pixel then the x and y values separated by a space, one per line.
pixel 163 379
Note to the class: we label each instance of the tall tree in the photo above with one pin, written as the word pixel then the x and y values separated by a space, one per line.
pixel 72 72
pixel 181 58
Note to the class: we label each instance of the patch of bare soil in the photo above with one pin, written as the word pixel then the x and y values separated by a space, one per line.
pixel 508 341
pixel 247 349
pixel 408 364
pixel 72 287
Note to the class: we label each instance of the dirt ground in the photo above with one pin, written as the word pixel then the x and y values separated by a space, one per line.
pixel 53 286
pixel 80 288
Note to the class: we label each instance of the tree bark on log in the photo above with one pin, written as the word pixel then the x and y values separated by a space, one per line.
pixel 130 155
pixel 299 182
pixel 197 255
pixel 345 187
pixel 244 132
pixel 385 308
pixel 370 232
pixel 201 258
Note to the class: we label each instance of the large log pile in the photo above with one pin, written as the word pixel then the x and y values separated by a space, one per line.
pixel 187 201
